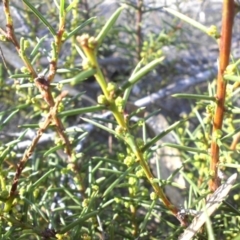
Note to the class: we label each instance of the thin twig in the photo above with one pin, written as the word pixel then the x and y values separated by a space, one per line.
pixel 44 88
pixel 57 48
pixel 27 154
pixel 43 85
pixel 211 206
pixel 9 33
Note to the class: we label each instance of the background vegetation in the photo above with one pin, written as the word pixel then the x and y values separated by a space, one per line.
pixel 78 151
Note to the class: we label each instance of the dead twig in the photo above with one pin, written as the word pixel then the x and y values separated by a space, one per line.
pixel 27 154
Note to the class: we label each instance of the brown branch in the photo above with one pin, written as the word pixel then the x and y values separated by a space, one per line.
pixel 60 129
pixel 10 36
pixel 43 86
pixel 225 47
pixel 58 45
pixel 27 154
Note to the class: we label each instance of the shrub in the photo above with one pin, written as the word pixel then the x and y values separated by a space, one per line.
pixel 60 179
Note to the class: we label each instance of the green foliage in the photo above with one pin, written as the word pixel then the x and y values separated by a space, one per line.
pixel 59 178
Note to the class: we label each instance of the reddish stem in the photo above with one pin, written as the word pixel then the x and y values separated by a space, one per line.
pixel 225 47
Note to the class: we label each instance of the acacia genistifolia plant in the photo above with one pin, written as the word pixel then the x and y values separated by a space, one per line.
pixel 52 190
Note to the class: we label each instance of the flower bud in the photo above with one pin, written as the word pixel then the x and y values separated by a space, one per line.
pixel 153 196
pixel 213 32
pixel 102 100
pixel 111 87
pixel 230 69
pixel 92 43
pixel 129 161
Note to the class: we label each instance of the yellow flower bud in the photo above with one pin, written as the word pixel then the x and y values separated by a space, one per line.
pixel 85 203
pixel 92 43
pixel 213 32
pixel 153 196
pixel 24 70
pixel 111 87
pixel 119 130
pixel 231 69
pixel 119 103
pixel 102 100
pixel 140 173
pixel 129 161
pixel 132 180
pixel 3 38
